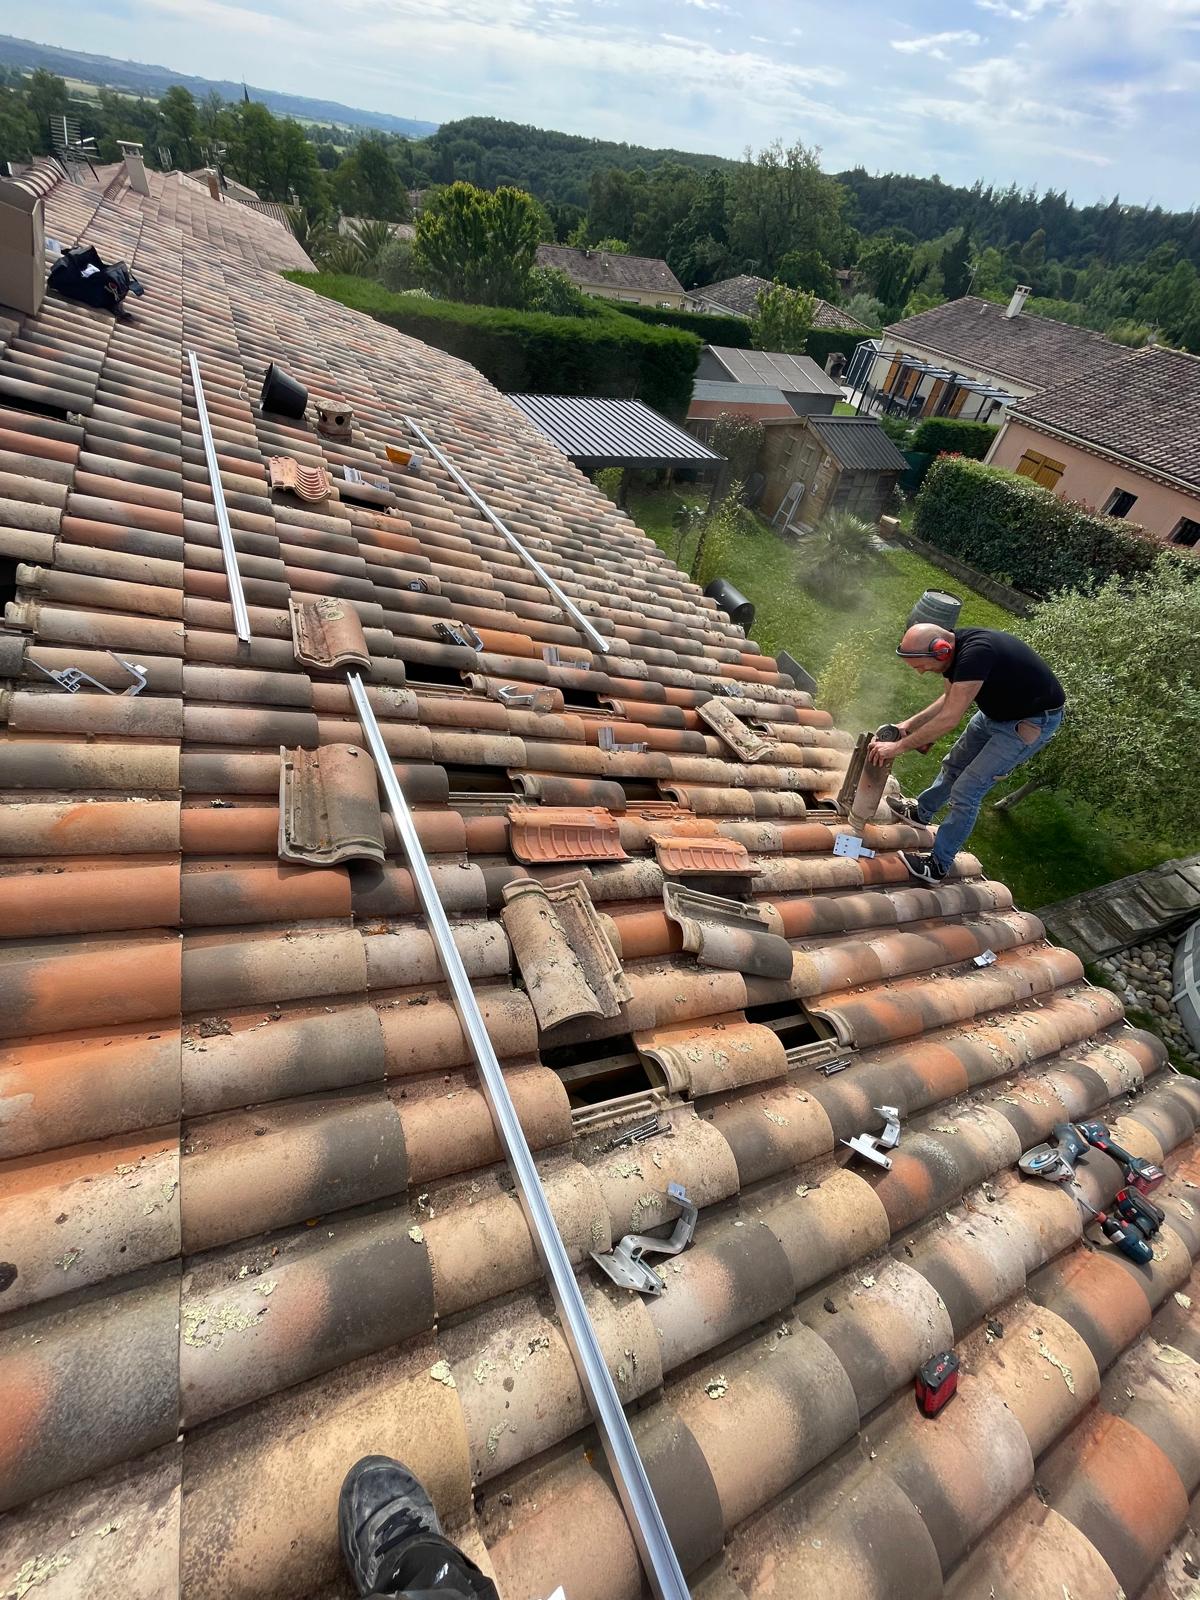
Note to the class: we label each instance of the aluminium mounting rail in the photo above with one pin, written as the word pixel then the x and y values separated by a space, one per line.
pixel 595 639
pixel 237 595
pixel 641 1509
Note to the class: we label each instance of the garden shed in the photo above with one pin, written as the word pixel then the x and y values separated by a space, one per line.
pixel 840 464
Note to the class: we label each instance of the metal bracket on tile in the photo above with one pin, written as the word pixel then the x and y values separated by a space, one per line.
pixel 875 1146
pixel 646 1523
pixel 508 694
pixel 72 678
pixel 624 1263
pixel 595 639
pixel 459 633
pixel 607 739
pixel 553 657
pixel 985 958
pixel 849 844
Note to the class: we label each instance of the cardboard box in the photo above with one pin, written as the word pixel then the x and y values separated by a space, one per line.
pixel 22 248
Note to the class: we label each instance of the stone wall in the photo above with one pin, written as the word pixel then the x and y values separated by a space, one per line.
pixel 1143 978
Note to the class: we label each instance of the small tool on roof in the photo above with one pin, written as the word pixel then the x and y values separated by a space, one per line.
pixel 624 1264
pixel 72 679
pixel 1127 1235
pixel 874 1146
pixel 1055 1160
pixel 1139 1173
pixel 936 1383
pixel 639 1133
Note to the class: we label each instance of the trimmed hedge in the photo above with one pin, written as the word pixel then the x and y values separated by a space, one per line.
pixel 1016 531
pixel 821 341
pixel 733 331
pixel 948 435
pixel 527 351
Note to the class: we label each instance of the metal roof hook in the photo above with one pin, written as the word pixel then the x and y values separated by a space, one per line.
pixel 72 679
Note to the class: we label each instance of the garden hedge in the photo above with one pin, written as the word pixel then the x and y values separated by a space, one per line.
pixel 821 341
pixel 949 435
pixel 1012 529
pixel 525 351
pixel 730 331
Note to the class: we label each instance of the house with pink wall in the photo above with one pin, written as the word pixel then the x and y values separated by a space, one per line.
pixel 1123 439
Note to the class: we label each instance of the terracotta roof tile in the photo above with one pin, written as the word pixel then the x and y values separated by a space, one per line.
pixel 211 1047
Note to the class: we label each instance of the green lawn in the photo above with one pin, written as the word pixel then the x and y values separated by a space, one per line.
pixel 1048 847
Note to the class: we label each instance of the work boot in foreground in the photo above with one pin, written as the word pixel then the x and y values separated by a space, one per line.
pixel 923 868
pixel 381 1507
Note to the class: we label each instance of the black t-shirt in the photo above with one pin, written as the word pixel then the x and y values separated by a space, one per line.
pixel 1016 681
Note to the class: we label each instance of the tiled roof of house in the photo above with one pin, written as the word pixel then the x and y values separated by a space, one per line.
pixel 609 269
pixel 1027 349
pixel 251 231
pixel 1147 411
pixel 252 1221
pixel 739 296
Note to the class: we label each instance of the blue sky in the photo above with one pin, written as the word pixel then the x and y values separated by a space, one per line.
pixel 1094 96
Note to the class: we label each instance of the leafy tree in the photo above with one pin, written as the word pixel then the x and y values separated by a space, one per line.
pixel 739 439
pixel 807 269
pixel 396 266
pixel 615 247
pixel 782 319
pixel 1128 332
pixel 180 126
pixel 368 183
pixel 697 249
pixel 1128 656
pixel 780 200
pixel 19 135
pixel 866 309
pixel 551 291
pixel 478 247
pixel 46 97
pixel 884 265
pixel 956 265
pixel 613 201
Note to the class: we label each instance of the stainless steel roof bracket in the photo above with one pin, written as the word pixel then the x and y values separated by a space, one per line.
pixel 73 678
pixel 595 639
pixel 237 595
pixel 624 1263
pixel 629 1474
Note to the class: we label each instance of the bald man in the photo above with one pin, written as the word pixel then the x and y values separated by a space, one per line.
pixel 1020 709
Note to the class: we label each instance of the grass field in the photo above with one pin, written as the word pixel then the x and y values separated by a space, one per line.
pixel 1046 849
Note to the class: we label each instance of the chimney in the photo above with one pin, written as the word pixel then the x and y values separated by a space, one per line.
pixel 1017 304
pixel 135 167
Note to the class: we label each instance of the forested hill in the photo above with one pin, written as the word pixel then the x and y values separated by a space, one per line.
pixel 557 167
pixel 927 208
pixel 141 78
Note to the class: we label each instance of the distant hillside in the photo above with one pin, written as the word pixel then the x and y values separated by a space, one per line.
pixel 137 78
pixel 553 166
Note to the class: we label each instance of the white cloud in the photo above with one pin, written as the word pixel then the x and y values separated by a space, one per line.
pixel 706 5
pixel 932 44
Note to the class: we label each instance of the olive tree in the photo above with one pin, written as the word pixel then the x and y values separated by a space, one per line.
pixel 1128 655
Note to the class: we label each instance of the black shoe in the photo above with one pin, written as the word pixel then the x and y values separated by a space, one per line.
pixel 906 810
pixel 381 1507
pixel 923 868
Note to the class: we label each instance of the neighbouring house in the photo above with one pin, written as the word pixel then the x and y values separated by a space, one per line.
pixel 737 297
pixel 823 464
pixel 349 226
pixel 971 358
pixel 765 385
pixel 639 280
pixel 1125 440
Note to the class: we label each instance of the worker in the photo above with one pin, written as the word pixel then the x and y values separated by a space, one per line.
pixel 393 1543
pixel 1020 709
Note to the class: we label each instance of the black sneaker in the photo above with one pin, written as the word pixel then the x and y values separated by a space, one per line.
pixel 923 868
pixel 906 810
pixel 381 1507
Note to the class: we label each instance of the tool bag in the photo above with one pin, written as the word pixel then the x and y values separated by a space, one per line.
pixel 80 274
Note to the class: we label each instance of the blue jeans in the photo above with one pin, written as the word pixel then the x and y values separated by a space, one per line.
pixel 985 752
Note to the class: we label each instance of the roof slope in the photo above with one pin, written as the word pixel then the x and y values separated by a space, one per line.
pixel 256 231
pixel 1028 349
pixel 739 295
pixel 610 269
pixel 858 443
pixel 1147 412
pixel 253 1223
pixel 792 374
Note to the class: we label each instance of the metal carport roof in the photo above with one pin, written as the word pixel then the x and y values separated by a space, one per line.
pixel 597 432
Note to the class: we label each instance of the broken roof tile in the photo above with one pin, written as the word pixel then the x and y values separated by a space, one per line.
pixel 680 855
pixel 566 958
pixel 741 739
pixel 329 806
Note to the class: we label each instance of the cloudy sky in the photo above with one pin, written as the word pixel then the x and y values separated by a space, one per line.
pixel 1095 96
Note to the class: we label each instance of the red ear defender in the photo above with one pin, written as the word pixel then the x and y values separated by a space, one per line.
pixel 941 649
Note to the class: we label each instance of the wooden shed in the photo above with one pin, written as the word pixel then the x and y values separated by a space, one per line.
pixel 821 464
